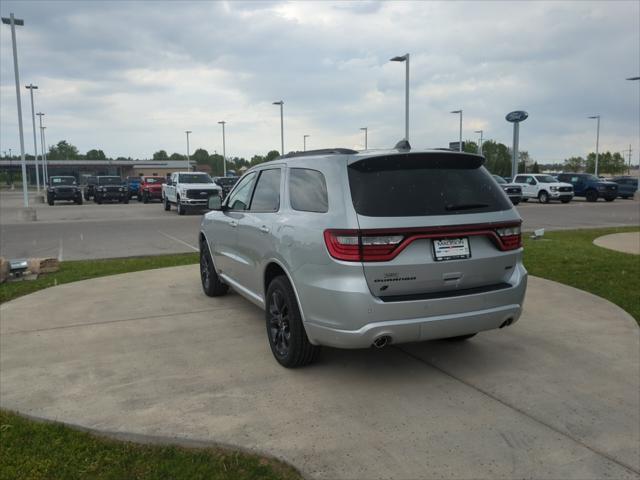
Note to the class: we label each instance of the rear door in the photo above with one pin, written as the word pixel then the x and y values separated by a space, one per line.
pixel 441 210
pixel 524 182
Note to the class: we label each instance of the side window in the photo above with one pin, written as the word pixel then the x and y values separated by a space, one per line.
pixel 531 181
pixel 308 190
pixel 573 180
pixel 519 179
pixel 241 195
pixel 266 197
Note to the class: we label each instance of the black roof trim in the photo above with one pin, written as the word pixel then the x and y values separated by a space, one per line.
pixel 323 151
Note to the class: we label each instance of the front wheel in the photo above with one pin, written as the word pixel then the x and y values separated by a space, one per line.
pixel 145 198
pixel 50 201
pixel 515 202
pixel 565 200
pixel 98 200
pixel 592 196
pixel 126 200
pixel 79 200
pixel 167 205
pixel 610 199
pixel 179 207
pixel 543 197
pixel 525 199
pixel 287 338
pixel 211 283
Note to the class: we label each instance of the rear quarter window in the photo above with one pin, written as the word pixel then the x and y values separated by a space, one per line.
pixel 308 190
pixel 424 184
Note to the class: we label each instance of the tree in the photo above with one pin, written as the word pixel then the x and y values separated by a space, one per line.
pixel 470 146
pixel 272 155
pixel 535 168
pixel 161 155
pixel 607 163
pixel 574 164
pixel 63 151
pixel 256 160
pixel 200 156
pixel 177 156
pixel 95 155
pixel 498 158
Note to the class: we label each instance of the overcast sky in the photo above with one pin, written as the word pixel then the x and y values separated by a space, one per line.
pixel 131 77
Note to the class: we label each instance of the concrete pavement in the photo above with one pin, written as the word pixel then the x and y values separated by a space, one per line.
pixel 622 242
pixel 554 396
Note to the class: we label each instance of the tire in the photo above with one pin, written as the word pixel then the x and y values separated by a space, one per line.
pixel 98 200
pixel 181 210
pixel 565 200
pixel 87 197
pixel 287 338
pixel 543 197
pixel 461 338
pixel 126 200
pixel 211 283
pixel 610 199
pixel 79 200
pixel 145 198
pixel 167 205
pixel 525 199
pixel 592 196
pixel 50 202
pixel 515 202
pixel 625 197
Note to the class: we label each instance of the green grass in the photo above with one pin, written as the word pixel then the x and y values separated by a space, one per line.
pixel 73 271
pixel 570 257
pixel 31 450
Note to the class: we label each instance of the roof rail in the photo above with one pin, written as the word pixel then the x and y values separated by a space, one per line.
pixel 323 151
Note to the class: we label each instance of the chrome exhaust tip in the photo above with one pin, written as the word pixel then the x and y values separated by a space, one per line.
pixel 382 341
pixel 506 323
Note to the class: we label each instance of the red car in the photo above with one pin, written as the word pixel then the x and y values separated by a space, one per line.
pixel 150 188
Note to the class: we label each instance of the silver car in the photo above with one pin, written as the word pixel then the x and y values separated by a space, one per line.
pixel 351 249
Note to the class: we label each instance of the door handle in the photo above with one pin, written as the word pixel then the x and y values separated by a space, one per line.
pixel 264 229
pixel 233 223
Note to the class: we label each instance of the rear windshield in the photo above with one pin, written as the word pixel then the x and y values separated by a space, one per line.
pixel 109 180
pixel 411 185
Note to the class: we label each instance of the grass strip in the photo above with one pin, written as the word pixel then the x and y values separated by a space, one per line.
pixel 73 271
pixel 33 450
pixel 570 257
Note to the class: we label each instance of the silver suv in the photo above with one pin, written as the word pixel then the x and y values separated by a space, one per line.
pixel 352 249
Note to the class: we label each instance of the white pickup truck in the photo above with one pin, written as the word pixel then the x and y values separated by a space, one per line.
pixel 188 191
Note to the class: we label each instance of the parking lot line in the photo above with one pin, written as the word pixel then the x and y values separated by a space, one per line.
pixel 178 240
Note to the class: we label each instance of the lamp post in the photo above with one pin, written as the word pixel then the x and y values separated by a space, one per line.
pixel 405 58
pixel 44 141
pixel 597 117
pixel 45 170
pixel 281 103
pixel 480 144
pixel 224 150
pixel 188 132
pixel 366 140
pixel 459 112
pixel 515 117
pixel 304 142
pixel 13 22
pixel 31 87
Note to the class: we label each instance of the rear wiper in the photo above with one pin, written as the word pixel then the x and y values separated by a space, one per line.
pixel 465 206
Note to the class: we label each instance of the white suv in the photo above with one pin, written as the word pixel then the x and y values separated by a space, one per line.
pixel 544 188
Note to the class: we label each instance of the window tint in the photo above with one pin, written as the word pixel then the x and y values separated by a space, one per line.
pixel 239 198
pixel 520 179
pixel 308 190
pixel 423 184
pixel 266 197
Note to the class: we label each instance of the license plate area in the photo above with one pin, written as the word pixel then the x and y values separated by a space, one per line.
pixel 451 249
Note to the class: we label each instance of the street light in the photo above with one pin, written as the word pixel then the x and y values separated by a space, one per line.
pixel 31 87
pixel 188 163
pixel 460 142
pixel 281 103
pixel 597 117
pixel 405 58
pixel 13 22
pixel 224 150
pixel 480 144
pixel 366 131
pixel 304 142
pixel 45 168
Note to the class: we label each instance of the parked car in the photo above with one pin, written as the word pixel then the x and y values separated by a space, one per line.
pixel 350 249
pixel 226 183
pixel 90 187
pixel 513 191
pixel 133 186
pixel 63 188
pixel 627 186
pixel 544 188
pixel 150 188
pixel 111 188
pixel 590 186
pixel 188 191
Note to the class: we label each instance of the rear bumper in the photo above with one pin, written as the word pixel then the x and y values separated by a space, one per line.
pixel 346 315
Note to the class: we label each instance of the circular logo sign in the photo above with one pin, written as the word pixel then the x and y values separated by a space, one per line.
pixel 517 116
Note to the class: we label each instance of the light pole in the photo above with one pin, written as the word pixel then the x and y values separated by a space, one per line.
pixel 13 22
pixel 597 117
pixel 281 103
pixel 480 144
pixel 304 142
pixel 405 58
pixel 459 112
pixel 188 163
pixel 44 141
pixel 515 117
pixel 45 170
pixel 366 134
pixel 31 87
pixel 224 150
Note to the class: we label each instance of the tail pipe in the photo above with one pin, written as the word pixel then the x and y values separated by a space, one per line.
pixel 382 341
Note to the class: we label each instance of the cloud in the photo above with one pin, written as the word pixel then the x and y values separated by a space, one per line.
pixel 130 77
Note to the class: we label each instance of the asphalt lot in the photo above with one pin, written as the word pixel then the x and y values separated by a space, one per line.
pixel 73 232
pixel 555 396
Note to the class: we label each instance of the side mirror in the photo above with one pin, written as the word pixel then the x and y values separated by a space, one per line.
pixel 215 202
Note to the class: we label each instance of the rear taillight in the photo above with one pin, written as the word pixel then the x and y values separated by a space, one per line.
pixel 510 237
pixel 353 246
